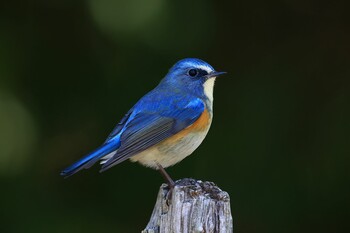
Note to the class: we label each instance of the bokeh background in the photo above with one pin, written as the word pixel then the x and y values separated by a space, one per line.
pixel 279 143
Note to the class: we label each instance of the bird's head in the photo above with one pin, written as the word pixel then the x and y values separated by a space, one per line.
pixel 194 76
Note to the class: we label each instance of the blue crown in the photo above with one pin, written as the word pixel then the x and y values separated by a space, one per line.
pixel 190 62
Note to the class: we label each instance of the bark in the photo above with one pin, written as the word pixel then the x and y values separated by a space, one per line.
pixel 192 206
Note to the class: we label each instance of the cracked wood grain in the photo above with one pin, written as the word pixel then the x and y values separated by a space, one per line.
pixel 193 206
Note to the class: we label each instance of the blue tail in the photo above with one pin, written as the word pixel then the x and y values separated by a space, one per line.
pixel 91 158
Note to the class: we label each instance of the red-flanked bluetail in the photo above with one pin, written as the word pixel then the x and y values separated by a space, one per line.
pixel 164 126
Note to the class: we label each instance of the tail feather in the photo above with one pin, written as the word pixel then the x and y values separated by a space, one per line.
pixel 90 159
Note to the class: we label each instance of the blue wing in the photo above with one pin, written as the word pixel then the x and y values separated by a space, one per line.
pixel 161 120
pixel 119 127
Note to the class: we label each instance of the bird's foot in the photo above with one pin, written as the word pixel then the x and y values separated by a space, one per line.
pixel 169 194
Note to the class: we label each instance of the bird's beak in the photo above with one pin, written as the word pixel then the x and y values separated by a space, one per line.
pixel 215 74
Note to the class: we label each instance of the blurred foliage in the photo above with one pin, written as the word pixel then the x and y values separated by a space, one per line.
pixel 279 143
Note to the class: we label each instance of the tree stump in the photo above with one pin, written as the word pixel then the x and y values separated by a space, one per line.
pixel 193 206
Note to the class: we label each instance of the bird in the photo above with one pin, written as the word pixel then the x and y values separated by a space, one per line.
pixel 164 126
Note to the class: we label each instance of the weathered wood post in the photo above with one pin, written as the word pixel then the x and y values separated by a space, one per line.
pixel 193 206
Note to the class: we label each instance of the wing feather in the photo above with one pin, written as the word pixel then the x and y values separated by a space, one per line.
pixel 119 126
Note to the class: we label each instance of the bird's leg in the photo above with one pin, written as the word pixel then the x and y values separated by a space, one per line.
pixel 166 176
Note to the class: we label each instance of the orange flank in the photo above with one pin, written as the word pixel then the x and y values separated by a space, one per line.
pixel 201 124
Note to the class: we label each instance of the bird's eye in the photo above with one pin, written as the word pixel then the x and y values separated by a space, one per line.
pixel 192 72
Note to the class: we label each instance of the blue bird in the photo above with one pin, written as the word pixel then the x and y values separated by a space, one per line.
pixel 164 126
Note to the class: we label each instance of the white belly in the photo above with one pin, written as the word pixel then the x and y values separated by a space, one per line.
pixel 167 154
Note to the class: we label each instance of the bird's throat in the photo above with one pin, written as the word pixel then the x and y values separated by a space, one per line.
pixel 209 89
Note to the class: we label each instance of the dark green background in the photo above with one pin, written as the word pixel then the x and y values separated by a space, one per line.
pixel 279 143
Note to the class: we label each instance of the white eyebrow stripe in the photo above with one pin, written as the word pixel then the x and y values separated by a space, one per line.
pixel 206 68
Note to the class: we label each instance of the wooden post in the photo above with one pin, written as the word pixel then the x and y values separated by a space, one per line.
pixel 193 206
